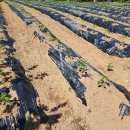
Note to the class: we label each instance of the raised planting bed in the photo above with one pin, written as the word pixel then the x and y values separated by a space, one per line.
pixel 26 18
pixel 17 95
pixel 114 13
pixel 8 97
pixel 107 24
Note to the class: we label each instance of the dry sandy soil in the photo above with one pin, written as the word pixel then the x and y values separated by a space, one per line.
pixel 64 109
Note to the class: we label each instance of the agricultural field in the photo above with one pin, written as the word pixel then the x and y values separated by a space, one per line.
pixel 64 66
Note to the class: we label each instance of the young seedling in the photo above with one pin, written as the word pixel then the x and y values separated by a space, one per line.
pixel 122 44
pixel 81 66
pixel 97 14
pixel 103 81
pixel 108 30
pixel 42 27
pixel 94 26
pixel 110 67
pixel 4 98
pixel 50 35
pixel 22 8
pixel 69 52
pixel 124 36
pixel 115 18
pixel 2 74
pixel 100 82
pixel 57 42
pixel 128 22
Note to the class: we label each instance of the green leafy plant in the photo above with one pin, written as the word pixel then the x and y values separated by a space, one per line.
pixel 57 42
pixel 50 35
pixel 2 74
pixel 110 67
pixel 103 81
pixel 100 82
pixel 128 22
pixel 69 52
pixel 42 27
pixel 81 66
pixel 124 36
pixel 21 8
pixel 94 26
pixel 4 98
pixel 108 30
pixel 115 18
pixel 122 44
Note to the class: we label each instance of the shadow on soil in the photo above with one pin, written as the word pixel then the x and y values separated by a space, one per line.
pixel 26 103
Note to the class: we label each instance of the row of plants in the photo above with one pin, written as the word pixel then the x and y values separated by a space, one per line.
pixel 98 7
pixel 122 14
pixel 26 18
pixel 114 13
pixel 73 66
pixel 101 22
pixel 94 37
pixel 108 9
